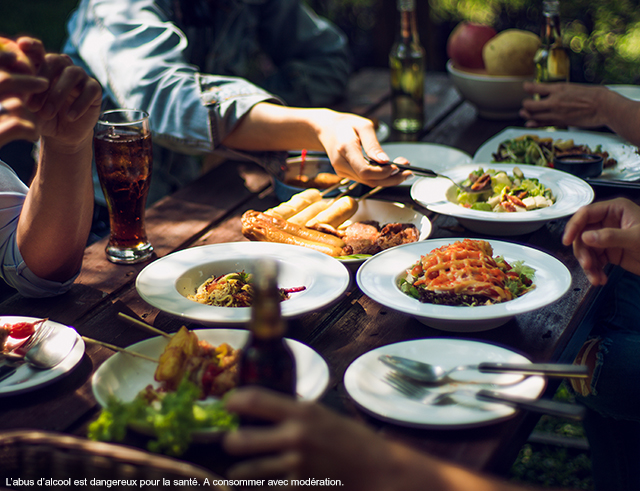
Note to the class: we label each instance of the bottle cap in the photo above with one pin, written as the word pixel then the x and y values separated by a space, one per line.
pixel 406 5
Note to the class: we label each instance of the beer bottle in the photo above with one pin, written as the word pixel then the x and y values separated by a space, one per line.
pixel 407 65
pixel 551 59
pixel 266 358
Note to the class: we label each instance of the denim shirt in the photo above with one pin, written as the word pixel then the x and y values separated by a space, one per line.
pixel 12 267
pixel 190 72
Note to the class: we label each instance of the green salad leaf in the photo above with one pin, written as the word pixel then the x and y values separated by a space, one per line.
pixel 173 416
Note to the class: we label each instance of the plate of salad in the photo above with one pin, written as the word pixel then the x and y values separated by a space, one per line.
pixel 534 195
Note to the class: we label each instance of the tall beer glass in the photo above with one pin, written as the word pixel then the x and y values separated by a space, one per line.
pixel 123 155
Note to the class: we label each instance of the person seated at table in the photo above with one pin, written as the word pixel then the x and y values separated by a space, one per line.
pixel 604 233
pixel 309 441
pixel 192 65
pixel 44 227
pixel 582 105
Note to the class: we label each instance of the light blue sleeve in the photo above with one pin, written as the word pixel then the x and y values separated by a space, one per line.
pixel 139 57
pixel 14 270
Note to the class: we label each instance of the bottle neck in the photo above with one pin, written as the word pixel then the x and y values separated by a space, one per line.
pixel 408 25
pixel 266 319
pixel 551 34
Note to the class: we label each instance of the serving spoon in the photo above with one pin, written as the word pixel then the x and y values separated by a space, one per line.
pixel 433 374
pixel 430 173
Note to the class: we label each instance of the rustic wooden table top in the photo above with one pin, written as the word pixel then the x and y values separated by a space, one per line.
pixel 208 211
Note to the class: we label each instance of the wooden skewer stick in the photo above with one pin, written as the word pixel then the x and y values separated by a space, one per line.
pixel 138 323
pixel 342 182
pixel 370 193
pixel 118 348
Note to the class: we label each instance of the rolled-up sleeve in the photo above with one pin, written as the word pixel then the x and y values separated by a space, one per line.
pixel 138 55
pixel 14 270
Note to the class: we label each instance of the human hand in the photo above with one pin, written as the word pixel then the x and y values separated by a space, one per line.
pixel 16 122
pixel 70 107
pixel 564 104
pixel 344 136
pixel 306 441
pixel 605 232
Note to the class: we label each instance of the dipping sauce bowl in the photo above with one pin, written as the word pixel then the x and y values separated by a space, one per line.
pixel 582 165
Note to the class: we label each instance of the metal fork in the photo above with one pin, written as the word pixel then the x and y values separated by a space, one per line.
pixel 43 331
pixel 421 394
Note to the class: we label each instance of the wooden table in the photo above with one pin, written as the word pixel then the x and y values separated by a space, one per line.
pixel 208 212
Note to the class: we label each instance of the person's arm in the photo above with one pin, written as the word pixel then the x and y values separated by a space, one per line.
pixel 343 136
pixel 586 106
pixel 606 232
pixel 308 440
pixel 56 217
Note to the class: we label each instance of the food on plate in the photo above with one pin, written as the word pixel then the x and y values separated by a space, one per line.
pixel 465 44
pixel 531 149
pixel 19 330
pixel 510 53
pixel 262 227
pixel 369 237
pixel 232 290
pixel 322 180
pixel 171 416
pixel 466 273
pixel 337 213
pixel 301 218
pixel 296 203
pixel 504 193
pixel 213 369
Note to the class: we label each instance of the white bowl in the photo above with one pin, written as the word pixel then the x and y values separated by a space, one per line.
pixel 438 195
pixel 495 97
pixel 166 282
pixel 378 279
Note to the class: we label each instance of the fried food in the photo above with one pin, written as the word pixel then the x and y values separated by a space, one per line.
pixel 214 369
pixel 339 211
pixel 296 204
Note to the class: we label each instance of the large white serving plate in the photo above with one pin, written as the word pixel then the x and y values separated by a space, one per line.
pixel 27 378
pixel 165 283
pixel 385 212
pixel 628 91
pixel 426 156
pixel 438 195
pixel 364 382
pixel 627 169
pixel 123 376
pixel 378 278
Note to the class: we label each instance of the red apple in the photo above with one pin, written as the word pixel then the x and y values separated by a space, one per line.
pixel 465 44
pixel 22 63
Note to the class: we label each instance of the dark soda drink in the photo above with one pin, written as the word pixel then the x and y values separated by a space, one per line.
pixel 124 162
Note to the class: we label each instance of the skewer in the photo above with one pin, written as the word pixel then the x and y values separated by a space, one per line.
pixel 138 323
pixel 342 182
pixel 370 193
pixel 351 187
pixel 118 348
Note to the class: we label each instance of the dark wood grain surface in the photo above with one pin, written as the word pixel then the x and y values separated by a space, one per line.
pixel 208 211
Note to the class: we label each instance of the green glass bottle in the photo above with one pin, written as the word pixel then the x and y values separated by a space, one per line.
pixel 551 59
pixel 407 65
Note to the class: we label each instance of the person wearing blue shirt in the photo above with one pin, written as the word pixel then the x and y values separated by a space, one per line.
pixel 201 67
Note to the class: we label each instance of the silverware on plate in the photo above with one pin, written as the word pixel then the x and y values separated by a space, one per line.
pixel 433 374
pixel 423 395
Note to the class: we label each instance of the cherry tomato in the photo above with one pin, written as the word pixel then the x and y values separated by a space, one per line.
pixel 22 330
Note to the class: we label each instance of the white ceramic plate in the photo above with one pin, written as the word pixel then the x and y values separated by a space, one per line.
pixel 628 91
pixel 426 156
pixel 364 381
pixel 436 194
pixel 378 277
pixel 387 212
pixel 627 169
pixel 165 283
pixel 26 378
pixel 123 376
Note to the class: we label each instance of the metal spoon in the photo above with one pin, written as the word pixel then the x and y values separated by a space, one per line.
pixel 431 374
pixel 45 354
pixel 430 173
